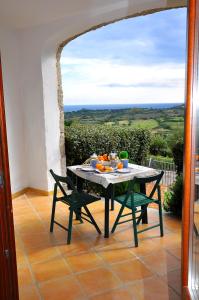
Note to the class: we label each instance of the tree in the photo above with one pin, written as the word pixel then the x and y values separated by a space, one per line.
pixel 158 145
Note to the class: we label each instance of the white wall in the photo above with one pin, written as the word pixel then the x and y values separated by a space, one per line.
pixel 34 118
pixel 30 76
pixel 9 48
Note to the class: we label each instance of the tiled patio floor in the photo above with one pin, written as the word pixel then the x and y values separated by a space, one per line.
pixel 93 267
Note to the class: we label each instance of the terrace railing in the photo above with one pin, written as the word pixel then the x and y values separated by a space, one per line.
pixel 169 169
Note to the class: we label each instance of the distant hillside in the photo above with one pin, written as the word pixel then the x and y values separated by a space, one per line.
pixel 159 120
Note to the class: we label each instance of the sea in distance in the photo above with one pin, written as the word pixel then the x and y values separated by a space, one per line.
pixel 71 108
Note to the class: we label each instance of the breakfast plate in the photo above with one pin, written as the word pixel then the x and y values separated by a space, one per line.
pixel 104 172
pixel 124 170
pixel 87 169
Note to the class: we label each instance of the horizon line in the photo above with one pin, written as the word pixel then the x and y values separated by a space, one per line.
pixel 124 103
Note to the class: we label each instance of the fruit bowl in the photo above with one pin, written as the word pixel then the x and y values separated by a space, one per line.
pixel 104 169
pixel 106 160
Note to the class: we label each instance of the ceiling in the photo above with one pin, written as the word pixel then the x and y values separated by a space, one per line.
pixel 28 13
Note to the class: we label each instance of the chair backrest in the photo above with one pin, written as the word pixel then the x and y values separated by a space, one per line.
pixel 59 180
pixel 154 178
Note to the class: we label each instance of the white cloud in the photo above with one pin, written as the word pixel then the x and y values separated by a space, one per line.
pixel 97 81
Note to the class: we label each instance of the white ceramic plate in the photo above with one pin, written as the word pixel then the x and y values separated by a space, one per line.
pixel 87 169
pixel 108 172
pixel 124 170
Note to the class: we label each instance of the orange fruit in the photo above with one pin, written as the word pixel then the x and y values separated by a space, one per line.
pixel 105 157
pixel 120 165
pixel 108 169
pixel 102 168
pixel 98 166
pixel 101 157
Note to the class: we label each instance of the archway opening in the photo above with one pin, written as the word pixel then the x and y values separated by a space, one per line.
pixel 130 64
pixel 133 79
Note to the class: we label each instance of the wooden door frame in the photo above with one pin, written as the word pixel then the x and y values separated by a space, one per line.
pixel 8 272
pixel 189 149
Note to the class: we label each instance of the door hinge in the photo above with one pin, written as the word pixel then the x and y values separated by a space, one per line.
pixel 1 180
pixel 7 253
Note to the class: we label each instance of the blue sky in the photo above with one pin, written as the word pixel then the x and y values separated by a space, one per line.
pixel 139 60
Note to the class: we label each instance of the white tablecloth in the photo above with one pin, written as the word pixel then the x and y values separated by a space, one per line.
pixel 113 178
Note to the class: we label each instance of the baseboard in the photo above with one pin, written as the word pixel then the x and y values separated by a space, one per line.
pixel 32 190
pixel 39 192
pixel 19 193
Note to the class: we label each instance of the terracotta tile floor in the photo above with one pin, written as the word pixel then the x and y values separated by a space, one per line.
pixel 93 267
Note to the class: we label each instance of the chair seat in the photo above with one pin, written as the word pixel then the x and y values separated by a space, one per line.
pixel 139 199
pixel 75 200
pixel 79 199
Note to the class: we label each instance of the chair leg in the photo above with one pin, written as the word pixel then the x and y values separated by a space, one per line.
pixel 70 223
pixel 92 219
pixel 78 215
pixel 161 219
pixel 52 216
pixel 135 228
pixel 117 219
pixel 143 216
pixel 112 204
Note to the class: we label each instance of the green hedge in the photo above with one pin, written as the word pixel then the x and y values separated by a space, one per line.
pixel 159 146
pixel 177 150
pixel 173 198
pixel 84 140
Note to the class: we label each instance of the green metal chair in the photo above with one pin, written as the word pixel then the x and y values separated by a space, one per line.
pixel 75 200
pixel 133 200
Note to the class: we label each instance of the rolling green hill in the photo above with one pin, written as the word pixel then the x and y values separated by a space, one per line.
pixel 163 121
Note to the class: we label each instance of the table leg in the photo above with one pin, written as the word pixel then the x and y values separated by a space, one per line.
pixel 108 193
pixel 80 182
pixel 72 176
pixel 112 198
pixel 145 215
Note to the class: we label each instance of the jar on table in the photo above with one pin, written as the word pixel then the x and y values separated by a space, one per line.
pixel 94 160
